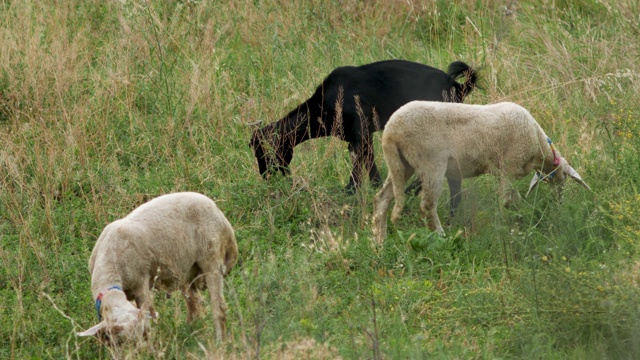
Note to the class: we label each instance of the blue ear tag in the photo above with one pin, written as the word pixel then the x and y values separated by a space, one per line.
pixel 99 300
pixel 98 303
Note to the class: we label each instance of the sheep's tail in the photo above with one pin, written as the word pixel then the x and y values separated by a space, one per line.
pixel 399 171
pixel 230 250
pixel 459 69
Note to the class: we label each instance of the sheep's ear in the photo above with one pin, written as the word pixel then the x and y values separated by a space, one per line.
pixel 93 330
pixel 537 177
pixel 574 174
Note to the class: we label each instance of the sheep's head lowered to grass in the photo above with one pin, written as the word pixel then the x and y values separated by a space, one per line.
pixel 120 319
pixel 558 175
pixel 273 154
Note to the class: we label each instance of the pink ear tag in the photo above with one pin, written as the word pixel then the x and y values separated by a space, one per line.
pixel 556 158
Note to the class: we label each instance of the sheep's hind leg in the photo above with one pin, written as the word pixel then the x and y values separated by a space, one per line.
pixel 431 190
pixel 370 163
pixel 374 175
pixel 362 159
pixel 215 283
pixel 357 161
pixel 381 204
pixel 400 172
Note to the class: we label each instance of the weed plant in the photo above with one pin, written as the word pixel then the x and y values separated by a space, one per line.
pixel 107 104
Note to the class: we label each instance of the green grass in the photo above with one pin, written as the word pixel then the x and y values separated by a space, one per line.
pixel 104 105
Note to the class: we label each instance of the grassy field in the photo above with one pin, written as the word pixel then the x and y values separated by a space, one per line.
pixel 106 104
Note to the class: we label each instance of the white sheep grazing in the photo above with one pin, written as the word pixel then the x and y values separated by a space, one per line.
pixel 175 241
pixel 437 140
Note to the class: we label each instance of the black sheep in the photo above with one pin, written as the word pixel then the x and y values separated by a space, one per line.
pixel 352 103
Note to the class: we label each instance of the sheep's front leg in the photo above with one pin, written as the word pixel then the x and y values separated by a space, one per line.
pixel 455 189
pixel 357 162
pixel 215 282
pixel 144 301
pixel 508 194
pixel 381 204
pixel 362 160
pixel 193 299
pixel 370 163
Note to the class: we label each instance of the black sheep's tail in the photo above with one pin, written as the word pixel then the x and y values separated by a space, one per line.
pixel 458 69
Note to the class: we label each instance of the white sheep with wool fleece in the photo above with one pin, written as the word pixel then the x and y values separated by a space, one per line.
pixel 175 241
pixel 437 140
